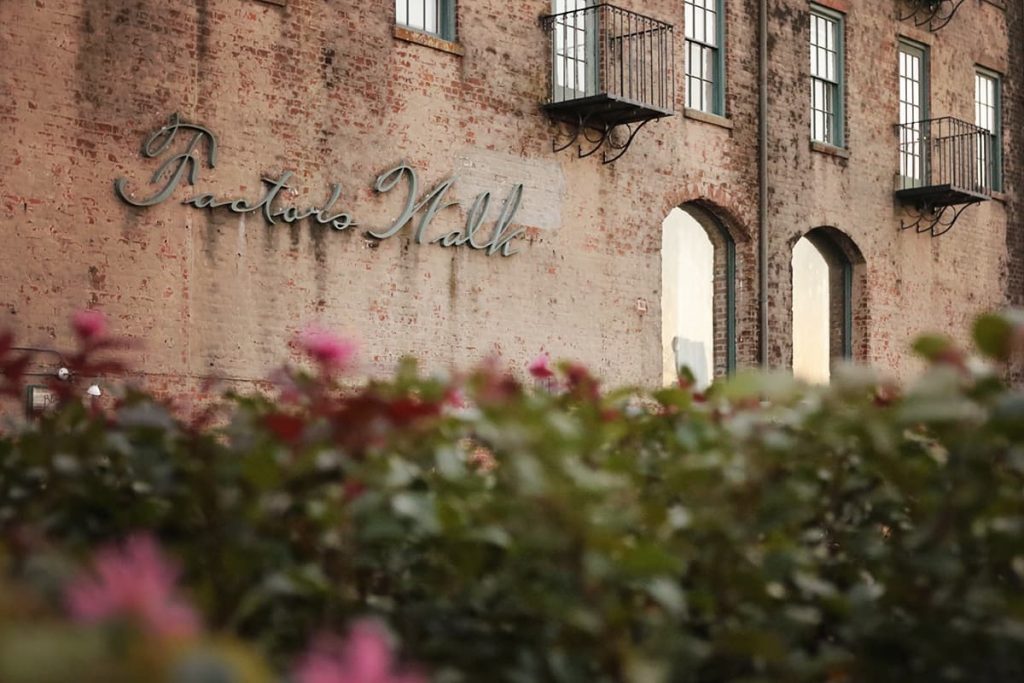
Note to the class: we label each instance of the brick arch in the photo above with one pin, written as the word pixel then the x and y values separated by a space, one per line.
pixel 721 215
pixel 716 204
pixel 833 243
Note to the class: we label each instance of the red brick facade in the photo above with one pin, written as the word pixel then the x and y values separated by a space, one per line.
pixel 330 90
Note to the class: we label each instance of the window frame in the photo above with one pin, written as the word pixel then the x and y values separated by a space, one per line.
pixel 980 72
pixel 564 89
pixel 837 130
pixel 730 301
pixel 922 52
pixel 717 105
pixel 445 18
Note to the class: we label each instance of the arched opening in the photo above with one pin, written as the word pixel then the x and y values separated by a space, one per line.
pixel 698 264
pixel 812 356
pixel 827 287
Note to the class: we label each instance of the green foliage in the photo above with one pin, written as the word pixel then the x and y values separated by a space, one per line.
pixel 765 531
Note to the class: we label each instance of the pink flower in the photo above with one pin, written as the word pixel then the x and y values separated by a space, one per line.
pixel 326 348
pixel 133 581
pixel 365 657
pixel 456 398
pixel 540 367
pixel 89 325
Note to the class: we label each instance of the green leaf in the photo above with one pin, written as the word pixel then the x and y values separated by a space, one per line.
pixel 933 347
pixel 996 333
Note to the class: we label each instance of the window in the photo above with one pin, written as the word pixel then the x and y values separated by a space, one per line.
pixel 987 115
pixel 436 17
pixel 826 77
pixel 705 63
pixel 698 320
pixel 913 67
pixel 575 46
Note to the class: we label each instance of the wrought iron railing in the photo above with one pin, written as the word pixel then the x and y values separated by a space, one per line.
pixel 606 51
pixel 950 157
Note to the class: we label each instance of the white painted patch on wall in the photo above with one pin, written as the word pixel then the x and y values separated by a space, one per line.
pixel 496 172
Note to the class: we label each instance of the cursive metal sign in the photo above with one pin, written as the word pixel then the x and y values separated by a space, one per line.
pixel 418 211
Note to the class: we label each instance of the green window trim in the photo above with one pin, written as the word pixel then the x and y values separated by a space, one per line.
pixel 448 20
pixel 982 74
pixel 433 17
pixel 730 302
pixel 708 48
pixel 828 122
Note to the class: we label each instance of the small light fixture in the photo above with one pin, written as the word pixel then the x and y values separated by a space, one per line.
pixel 94 390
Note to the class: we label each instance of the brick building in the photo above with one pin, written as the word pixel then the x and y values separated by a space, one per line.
pixel 305 123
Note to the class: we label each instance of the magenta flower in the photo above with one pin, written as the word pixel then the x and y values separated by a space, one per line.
pixel 540 367
pixel 365 657
pixel 326 348
pixel 456 398
pixel 89 325
pixel 133 581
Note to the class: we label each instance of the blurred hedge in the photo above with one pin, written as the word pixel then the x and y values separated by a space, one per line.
pixel 763 531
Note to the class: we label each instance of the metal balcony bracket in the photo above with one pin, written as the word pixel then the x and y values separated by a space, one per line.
pixel 621 149
pixel 575 130
pixel 938 220
pixel 596 141
pixel 598 137
pixel 934 14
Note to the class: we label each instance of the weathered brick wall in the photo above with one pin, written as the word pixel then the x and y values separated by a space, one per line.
pixel 324 88
pixel 1014 113
pixel 914 282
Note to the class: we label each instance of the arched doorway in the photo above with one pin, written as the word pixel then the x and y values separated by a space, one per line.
pixel 698 258
pixel 827 269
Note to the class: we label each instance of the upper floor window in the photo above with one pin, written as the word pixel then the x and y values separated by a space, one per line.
pixel 436 17
pixel 575 46
pixel 987 105
pixel 826 76
pixel 913 74
pixel 705 63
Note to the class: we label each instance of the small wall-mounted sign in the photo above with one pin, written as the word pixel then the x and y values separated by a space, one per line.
pixel 185 165
pixel 39 399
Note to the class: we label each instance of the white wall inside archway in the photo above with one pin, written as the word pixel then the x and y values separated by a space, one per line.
pixel 811 349
pixel 687 298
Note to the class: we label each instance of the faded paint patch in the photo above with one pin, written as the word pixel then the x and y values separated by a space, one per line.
pixel 482 170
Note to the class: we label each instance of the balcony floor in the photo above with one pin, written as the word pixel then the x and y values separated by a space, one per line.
pixel 942 195
pixel 605 110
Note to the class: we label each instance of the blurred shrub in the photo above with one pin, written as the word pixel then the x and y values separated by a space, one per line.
pixel 763 531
